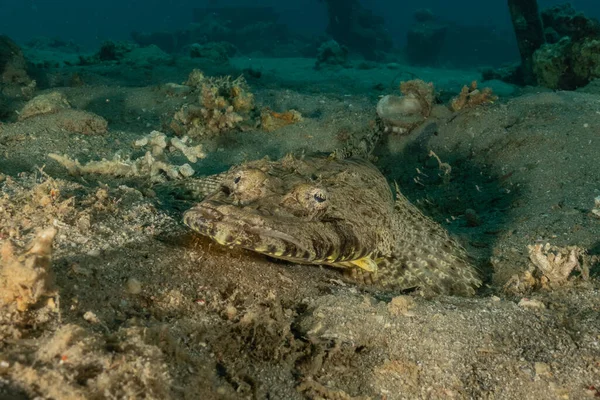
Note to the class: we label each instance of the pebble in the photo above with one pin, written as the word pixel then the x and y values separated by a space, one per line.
pixel 89 316
pixel 532 304
pixel 94 253
pixel 472 217
pixel 133 286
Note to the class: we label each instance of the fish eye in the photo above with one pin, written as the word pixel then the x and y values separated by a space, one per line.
pixel 319 197
pixel 237 179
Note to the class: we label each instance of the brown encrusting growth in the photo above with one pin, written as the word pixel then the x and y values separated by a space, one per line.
pixel 334 212
pixel 470 96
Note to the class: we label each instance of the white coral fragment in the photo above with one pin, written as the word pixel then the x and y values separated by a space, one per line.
pixel 556 264
pixel 192 153
pixel 26 277
pixel 153 164
pixel 596 209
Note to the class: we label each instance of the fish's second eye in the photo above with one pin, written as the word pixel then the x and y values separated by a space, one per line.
pixel 319 197
pixel 236 180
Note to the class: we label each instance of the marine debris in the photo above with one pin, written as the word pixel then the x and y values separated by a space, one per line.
pixel 559 49
pixel 154 164
pixel 402 114
pixel 569 59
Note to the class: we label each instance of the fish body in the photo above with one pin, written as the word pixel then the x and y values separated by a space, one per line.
pixel 336 212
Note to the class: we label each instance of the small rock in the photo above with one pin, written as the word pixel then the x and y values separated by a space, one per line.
pixel 472 217
pixel 542 369
pixel 401 305
pixel 531 304
pixel 94 253
pixel 44 104
pixel 231 312
pixel 90 317
pixel 133 286
pixel 186 170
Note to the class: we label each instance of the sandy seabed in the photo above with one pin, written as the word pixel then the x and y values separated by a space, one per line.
pixel 140 307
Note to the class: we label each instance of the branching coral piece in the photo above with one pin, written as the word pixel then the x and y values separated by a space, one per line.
pixel 26 277
pixel 152 165
pixel 471 96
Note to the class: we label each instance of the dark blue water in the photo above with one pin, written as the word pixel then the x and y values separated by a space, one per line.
pixel 90 22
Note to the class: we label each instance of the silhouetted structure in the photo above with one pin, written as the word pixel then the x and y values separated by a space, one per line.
pixel 357 28
pixel 530 34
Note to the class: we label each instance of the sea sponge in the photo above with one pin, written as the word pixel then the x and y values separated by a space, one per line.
pixel 224 104
pixel 402 114
pixel 470 97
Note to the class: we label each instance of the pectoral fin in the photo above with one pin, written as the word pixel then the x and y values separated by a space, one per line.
pixel 365 263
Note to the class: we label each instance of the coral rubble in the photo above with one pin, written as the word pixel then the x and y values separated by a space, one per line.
pixel 556 264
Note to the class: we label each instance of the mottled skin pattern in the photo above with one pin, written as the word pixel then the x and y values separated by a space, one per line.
pixel 327 211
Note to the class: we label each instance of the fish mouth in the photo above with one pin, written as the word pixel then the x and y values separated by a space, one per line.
pixel 229 226
pixel 307 242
